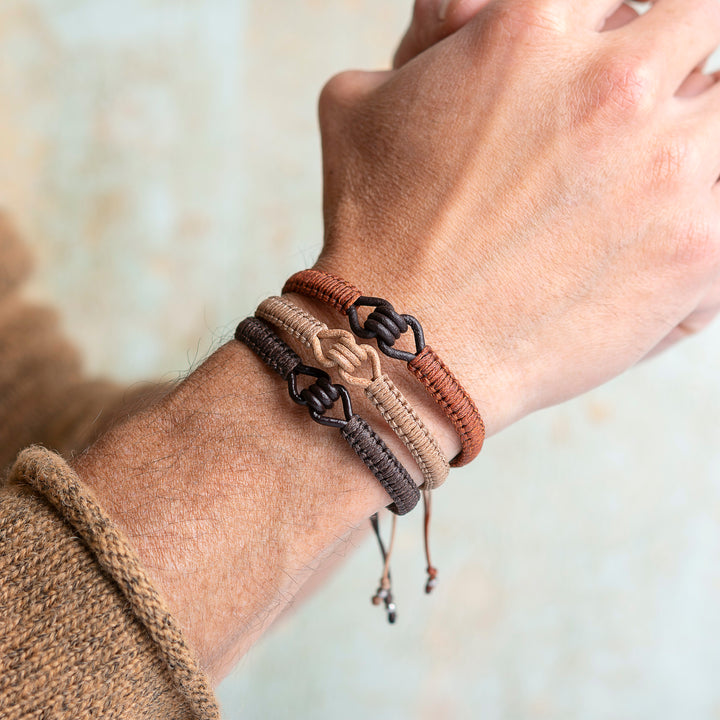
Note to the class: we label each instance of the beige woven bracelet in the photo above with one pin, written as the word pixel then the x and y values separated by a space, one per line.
pixel 347 356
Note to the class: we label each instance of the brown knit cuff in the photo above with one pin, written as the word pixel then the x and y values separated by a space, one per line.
pixel 49 475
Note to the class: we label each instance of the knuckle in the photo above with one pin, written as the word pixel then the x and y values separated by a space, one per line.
pixel 612 91
pixel 338 95
pixel 624 85
pixel 333 93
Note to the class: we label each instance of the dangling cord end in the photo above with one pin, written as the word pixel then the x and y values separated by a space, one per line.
pixel 431 569
pixel 384 592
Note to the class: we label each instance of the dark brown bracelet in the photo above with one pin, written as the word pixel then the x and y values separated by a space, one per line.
pixel 386 325
pixel 322 396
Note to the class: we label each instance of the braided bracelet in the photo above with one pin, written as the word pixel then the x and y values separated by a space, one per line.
pixel 320 397
pixel 345 354
pixel 386 325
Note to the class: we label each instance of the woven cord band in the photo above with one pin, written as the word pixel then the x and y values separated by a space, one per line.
pixel 260 338
pixel 345 354
pixel 412 431
pixel 323 286
pixel 383 464
pixel 437 379
pixel 389 471
pixel 447 392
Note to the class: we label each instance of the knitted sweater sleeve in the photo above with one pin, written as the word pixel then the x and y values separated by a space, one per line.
pixel 83 632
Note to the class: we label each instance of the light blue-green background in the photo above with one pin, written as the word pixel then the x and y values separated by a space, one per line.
pixel 162 157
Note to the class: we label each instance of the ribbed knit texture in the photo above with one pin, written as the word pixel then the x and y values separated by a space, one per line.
pixel 100 638
pixel 83 634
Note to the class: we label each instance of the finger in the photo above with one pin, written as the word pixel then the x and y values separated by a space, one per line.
pixel 696 322
pixel 346 87
pixel 621 17
pixel 675 36
pixel 432 21
pixel 699 101
pixel 596 14
pixel 695 84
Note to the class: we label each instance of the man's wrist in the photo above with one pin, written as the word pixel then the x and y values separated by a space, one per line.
pixel 231 495
pixel 461 337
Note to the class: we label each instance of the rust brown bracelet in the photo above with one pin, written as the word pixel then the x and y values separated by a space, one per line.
pixel 386 325
pixel 320 397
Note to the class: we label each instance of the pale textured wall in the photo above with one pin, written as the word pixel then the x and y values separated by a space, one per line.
pixel 162 157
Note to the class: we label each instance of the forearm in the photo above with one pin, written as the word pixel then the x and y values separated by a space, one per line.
pixel 231 496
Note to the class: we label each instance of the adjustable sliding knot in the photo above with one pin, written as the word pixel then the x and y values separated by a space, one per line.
pixel 320 397
pixel 384 592
pixel 385 325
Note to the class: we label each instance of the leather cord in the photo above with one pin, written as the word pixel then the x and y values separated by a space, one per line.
pixel 279 357
pixel 338 349
pixel 386 325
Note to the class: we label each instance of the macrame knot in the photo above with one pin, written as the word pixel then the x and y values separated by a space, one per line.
pixel 347 355
pixel 386 324
pixel 320 396
pixel 343 352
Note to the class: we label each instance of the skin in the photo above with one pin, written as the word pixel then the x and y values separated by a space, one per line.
pixel 537 182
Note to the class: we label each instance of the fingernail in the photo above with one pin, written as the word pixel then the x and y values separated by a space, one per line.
pixel 442 10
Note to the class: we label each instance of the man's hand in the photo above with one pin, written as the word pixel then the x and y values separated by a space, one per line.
pixel 434 20
pixel 541 193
